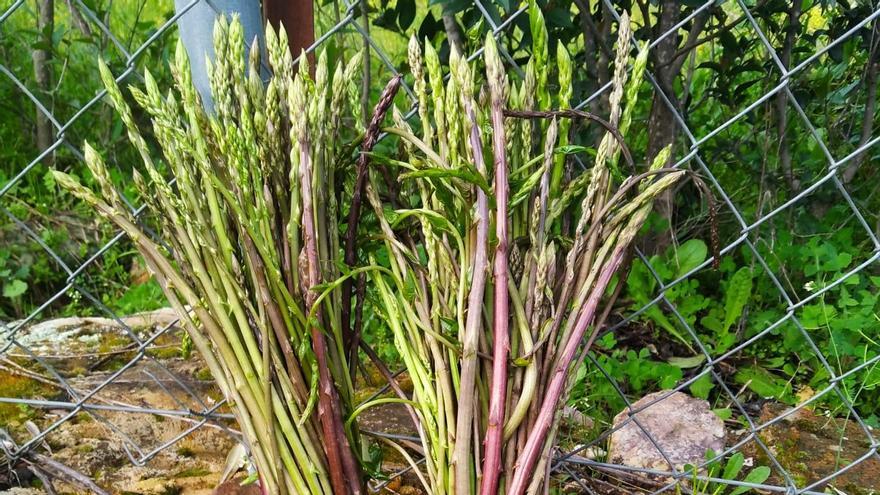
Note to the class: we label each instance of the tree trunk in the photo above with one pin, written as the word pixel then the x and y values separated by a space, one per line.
pixel 453 33
pixel 42 57
pixel 662 126
pixel 870 84
pixel 298 18
pixel 794 14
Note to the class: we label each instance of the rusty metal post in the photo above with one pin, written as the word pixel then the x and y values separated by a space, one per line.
pixel 298 17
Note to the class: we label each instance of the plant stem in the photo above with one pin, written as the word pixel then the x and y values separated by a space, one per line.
pixel 535 444
pixel 501 319
pixel 462 462
pixel 354 212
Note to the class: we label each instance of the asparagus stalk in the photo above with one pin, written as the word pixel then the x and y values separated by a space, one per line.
pixel 462 459
pixel 524 372
pixel 501 318
pixel 249 246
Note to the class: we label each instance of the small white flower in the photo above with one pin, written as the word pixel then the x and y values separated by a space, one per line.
pixel 810 286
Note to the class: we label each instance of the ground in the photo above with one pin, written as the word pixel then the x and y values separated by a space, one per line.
pixel 811 446
pixel 86 353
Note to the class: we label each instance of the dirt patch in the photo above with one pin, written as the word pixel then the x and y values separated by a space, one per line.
pixel 103 445
pixel 150 452
pixel 811 447
pixel 388 418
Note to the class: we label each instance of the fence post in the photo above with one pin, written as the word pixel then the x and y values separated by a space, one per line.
pixel 196 32
pixel 298 17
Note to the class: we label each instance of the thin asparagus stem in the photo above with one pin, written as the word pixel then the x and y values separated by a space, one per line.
pixel 501 346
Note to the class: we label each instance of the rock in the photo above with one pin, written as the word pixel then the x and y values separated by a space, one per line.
pixel 73 335
pixel 682 426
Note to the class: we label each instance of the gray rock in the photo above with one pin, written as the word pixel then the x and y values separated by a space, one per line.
pixel 682 426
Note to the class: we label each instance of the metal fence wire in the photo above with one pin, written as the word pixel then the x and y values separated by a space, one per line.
pixel 196 409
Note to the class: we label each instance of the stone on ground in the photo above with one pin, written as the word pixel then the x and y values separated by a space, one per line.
pixel 682 426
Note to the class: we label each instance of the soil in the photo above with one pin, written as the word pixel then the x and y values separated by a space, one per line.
pixel 86 352
pixel 811 447
pixel 93 444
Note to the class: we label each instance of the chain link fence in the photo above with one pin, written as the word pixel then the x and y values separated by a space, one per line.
pixel 190 403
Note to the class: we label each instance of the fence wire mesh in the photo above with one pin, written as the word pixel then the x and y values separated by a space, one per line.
pixel 191 403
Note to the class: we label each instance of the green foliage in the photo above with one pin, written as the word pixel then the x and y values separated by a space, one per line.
pixel 14 288
pixel 140 297
pixel 729 470
pixel 675 263
pixel 739 301
pixel 29 276
pixel 636 370
pixel 808 247
pixel 765 383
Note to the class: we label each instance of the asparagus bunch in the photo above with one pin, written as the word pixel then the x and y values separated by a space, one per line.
pixel 251 223
pixel 493 305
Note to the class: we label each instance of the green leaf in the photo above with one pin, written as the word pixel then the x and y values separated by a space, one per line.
pixel 406 13
pixel 689 256
pixel 814 316
pixel 853 279
pixel 467 173
pixel 837 263
pixel 559 17
pixel 49 180
pixel 687 362
pixel 764 383
pixel 701 388
pixel 251 478
pixel 655 314
pixel 573 149
pixel 386 19
pixel 733 467
pixel 756 476
pixel 14 288
pixel 723 413
pixel 712 323
pixel 389 161
pixel 739 290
